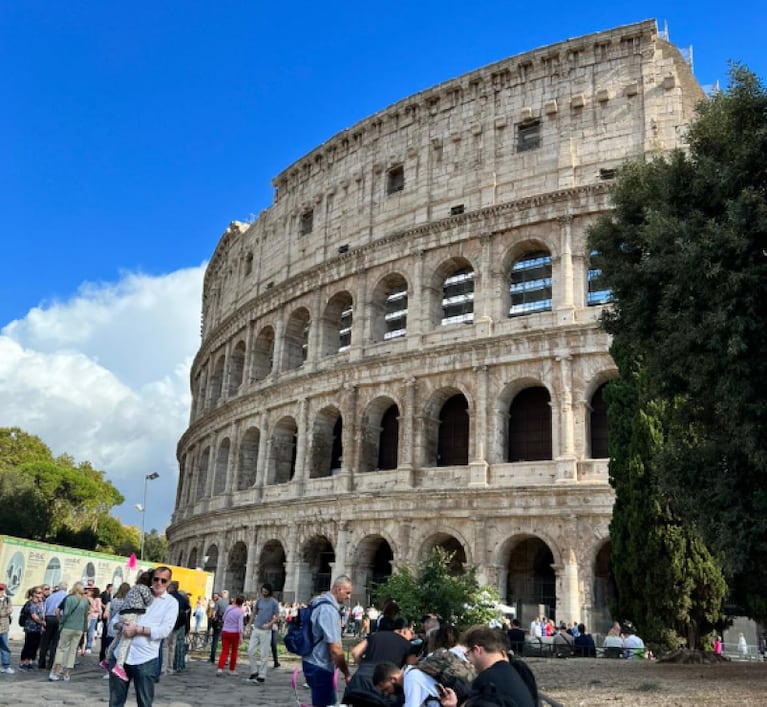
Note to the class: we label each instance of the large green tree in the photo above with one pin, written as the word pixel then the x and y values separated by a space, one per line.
pixel 47 498
pixel 668 582
pixel 685 255
pixel 431 586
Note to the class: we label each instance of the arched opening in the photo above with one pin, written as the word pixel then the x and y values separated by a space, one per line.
pixel 202 476
pixel 192 564
pixel 458 297
pixel 605 590
pixel 210 559
pixel 327 443
pixel 263 354
pixel 453 443
pixel 296 340
pixel 271 567
pixel 373 566
pixel 452 546
pixel 217 381
pixel 318 558
pixel 531 581
pixel 236 367
pixel 388 440
pixel 283 451
pixel 598 425
pixel 337 324
pixel 530 284
pixel 530 425
pixel 234 577
pixel 222 463
pixel 248 462
pixel 388 308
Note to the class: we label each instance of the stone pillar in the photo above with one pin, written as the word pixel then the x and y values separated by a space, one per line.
pixel 478 466
pixel 342 548
pixel 360 319
pixel 279 347
pixel 570 603
pixel 251 565
pixel 315 332
pixel 566 460
pixel 417 307
pixel 565 308
pixel 407 433
pixel 262 463
pixel 485 295
pixel 234 455
pixel 292 557
pixel 350 439
pixel 302 438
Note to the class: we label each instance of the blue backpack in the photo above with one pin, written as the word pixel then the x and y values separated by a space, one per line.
pixel 299 639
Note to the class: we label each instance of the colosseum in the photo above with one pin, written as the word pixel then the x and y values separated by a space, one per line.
pixel 403 351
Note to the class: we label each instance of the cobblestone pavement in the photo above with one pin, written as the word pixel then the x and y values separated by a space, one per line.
pixel 196 686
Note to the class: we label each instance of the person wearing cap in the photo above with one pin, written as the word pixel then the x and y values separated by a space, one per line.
pixel 6 609
pixel 632 644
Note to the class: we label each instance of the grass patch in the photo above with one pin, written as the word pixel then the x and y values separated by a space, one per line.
pixel 648 687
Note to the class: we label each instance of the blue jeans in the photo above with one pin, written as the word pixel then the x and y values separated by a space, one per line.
pixel 143 682
pixel 321 682
pixel 5 653
pixel 91 633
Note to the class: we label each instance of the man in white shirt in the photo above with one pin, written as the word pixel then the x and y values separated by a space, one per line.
pixel 415 684
pixel 147 634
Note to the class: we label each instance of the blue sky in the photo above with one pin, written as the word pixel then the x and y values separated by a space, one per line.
pixel 131 135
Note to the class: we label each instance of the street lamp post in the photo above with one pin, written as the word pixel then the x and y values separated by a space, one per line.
pixel 141 508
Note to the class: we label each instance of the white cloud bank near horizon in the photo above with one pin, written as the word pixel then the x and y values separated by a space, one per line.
pixel 104 377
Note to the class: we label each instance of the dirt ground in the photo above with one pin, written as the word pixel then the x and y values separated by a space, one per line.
pixel 594 682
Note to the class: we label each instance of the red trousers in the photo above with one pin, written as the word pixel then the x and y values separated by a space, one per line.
pixel 229 642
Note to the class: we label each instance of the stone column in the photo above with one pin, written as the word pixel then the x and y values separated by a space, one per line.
pixel 565 308
pixel 406 432
pixel 360 319
pixel 315 332
pixel 570 604
pixel 251 565
pixel 302 438
pixel 342 548
pixel 478 466
pixel 566 460
pixel 262 463
pixel 485 294
pixel 234 454
pixel 417 307
pixel 279 346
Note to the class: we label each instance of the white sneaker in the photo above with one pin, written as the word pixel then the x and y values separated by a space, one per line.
pixel 53 677
pixel 8 669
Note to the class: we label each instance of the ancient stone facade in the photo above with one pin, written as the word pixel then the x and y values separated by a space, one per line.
pixel 403 351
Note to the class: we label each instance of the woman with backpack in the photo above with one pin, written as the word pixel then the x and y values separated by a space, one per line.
pixel 32 618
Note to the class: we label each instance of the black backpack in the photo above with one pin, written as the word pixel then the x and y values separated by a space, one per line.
pixel 24 614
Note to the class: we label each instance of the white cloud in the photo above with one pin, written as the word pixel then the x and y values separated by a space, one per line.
pixel 104 377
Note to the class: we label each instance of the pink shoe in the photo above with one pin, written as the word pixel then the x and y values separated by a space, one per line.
pixel 120 672
pixel 104 665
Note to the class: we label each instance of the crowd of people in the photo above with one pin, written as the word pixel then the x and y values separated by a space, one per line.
pixel 143 630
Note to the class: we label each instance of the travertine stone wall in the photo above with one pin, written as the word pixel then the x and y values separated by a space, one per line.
pixel 279 464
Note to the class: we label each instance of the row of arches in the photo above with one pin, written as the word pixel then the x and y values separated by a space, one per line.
pixel 527 436
pixel 526 575
pixel 529 290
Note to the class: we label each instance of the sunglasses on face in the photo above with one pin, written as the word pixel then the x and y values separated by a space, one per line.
pixel 162 580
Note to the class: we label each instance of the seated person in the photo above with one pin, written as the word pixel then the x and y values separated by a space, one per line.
pixel 516 637
pixel 563 642
pixel 415 685
pixel 380 647
pixel 613 645
pixel 633 645
pixel 583 643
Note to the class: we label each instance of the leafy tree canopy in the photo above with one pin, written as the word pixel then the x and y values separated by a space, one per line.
pixel 685 255
pixel 430 587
